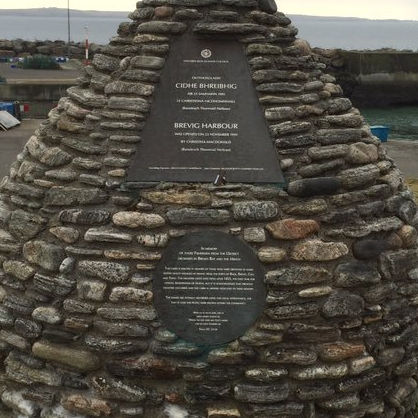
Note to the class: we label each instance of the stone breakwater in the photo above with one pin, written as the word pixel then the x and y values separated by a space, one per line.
pixel 80 336
pixel 20 48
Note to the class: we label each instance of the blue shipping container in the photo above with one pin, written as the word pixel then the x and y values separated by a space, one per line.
pixel 8 107
pixel 381 131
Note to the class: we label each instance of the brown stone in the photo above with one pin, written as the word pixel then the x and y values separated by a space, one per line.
pixel 340 351
pixel 317 250
pixel 174 197
pixel 163 11
pixel 84 405
pixel 408 235
pixel 289 229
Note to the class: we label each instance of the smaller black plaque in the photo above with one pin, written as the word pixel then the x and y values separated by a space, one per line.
pixel 209 288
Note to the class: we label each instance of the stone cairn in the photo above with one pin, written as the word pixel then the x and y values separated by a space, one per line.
pixel 80 336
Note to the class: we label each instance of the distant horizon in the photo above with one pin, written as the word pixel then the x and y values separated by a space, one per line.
pixel 352 33
pixel 19 9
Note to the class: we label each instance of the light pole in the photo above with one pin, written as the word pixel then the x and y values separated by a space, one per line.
pixel 69 29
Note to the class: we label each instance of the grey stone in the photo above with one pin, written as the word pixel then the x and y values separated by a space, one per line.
pixel 261 393
pixel 27 328
pixel 390 356
pixel 48 315
pixel 104 234
pixel 317 250
pixel 263 49
pixel 321 371
pixel 84 216
pixel 144 313
pixel 78 306
pixel 313 391
pixel 43 254
pixel 300 357
pixel 301 311
pixel 78 359
pixel 87 97
pixel 25 225
pixel 110 388
pixel 369 248
pixel 281 87
pixel 121 329
pixel 153 240
pixel 84 146
pixel 233 28
pixel 289 128
pixel 379 191
pixel 147 62
pixel 108 271
pixel 194 216
pixel 106 63
pixel 55 286
pixel 91 290
pixel 16 401
pixel 162 27
pixel 338 136
pixel 342 304
pixel 397 264
pixel 65 234
pixel 254 234
pixel 130 294
pixel 314 186
pixel 20 270
pixel 114 345
pixel 177 349
pixel 297 275
pixel 6 317
pixel 355 273
pixel 313 170
pixel 255 210
pixel 66 196
pixel 361 176
pixel 129 103
pixel 344 402
pixel 287 409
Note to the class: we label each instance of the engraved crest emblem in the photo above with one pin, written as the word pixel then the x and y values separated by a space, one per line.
pixel 206 53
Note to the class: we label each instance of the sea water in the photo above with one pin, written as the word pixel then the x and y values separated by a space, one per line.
pixel 402 120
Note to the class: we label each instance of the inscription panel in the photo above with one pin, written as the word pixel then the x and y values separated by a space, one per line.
pixel 209 287
pixel 206 120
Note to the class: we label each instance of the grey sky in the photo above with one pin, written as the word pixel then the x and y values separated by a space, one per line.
pixel 372 9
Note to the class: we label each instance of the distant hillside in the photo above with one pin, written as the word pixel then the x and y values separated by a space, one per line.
pixel 325 32
pixel 60 12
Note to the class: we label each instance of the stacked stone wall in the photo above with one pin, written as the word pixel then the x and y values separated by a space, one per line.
pixel 80 336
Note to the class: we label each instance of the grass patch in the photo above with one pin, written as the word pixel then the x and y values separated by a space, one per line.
pixel 40 62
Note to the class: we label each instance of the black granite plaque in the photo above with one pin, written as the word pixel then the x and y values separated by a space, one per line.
pixel 209 287
pixel 206 120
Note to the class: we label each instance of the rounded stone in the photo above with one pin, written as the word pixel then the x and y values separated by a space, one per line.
pixel 317 250
pixel 290 229
pixel 268 6
pixel 48 315
pixel 271 254
pixel 137 219
pixel 343 304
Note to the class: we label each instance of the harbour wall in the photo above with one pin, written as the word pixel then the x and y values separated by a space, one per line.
pixel 374 78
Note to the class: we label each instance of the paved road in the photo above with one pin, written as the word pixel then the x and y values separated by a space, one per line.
pixel 405 153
